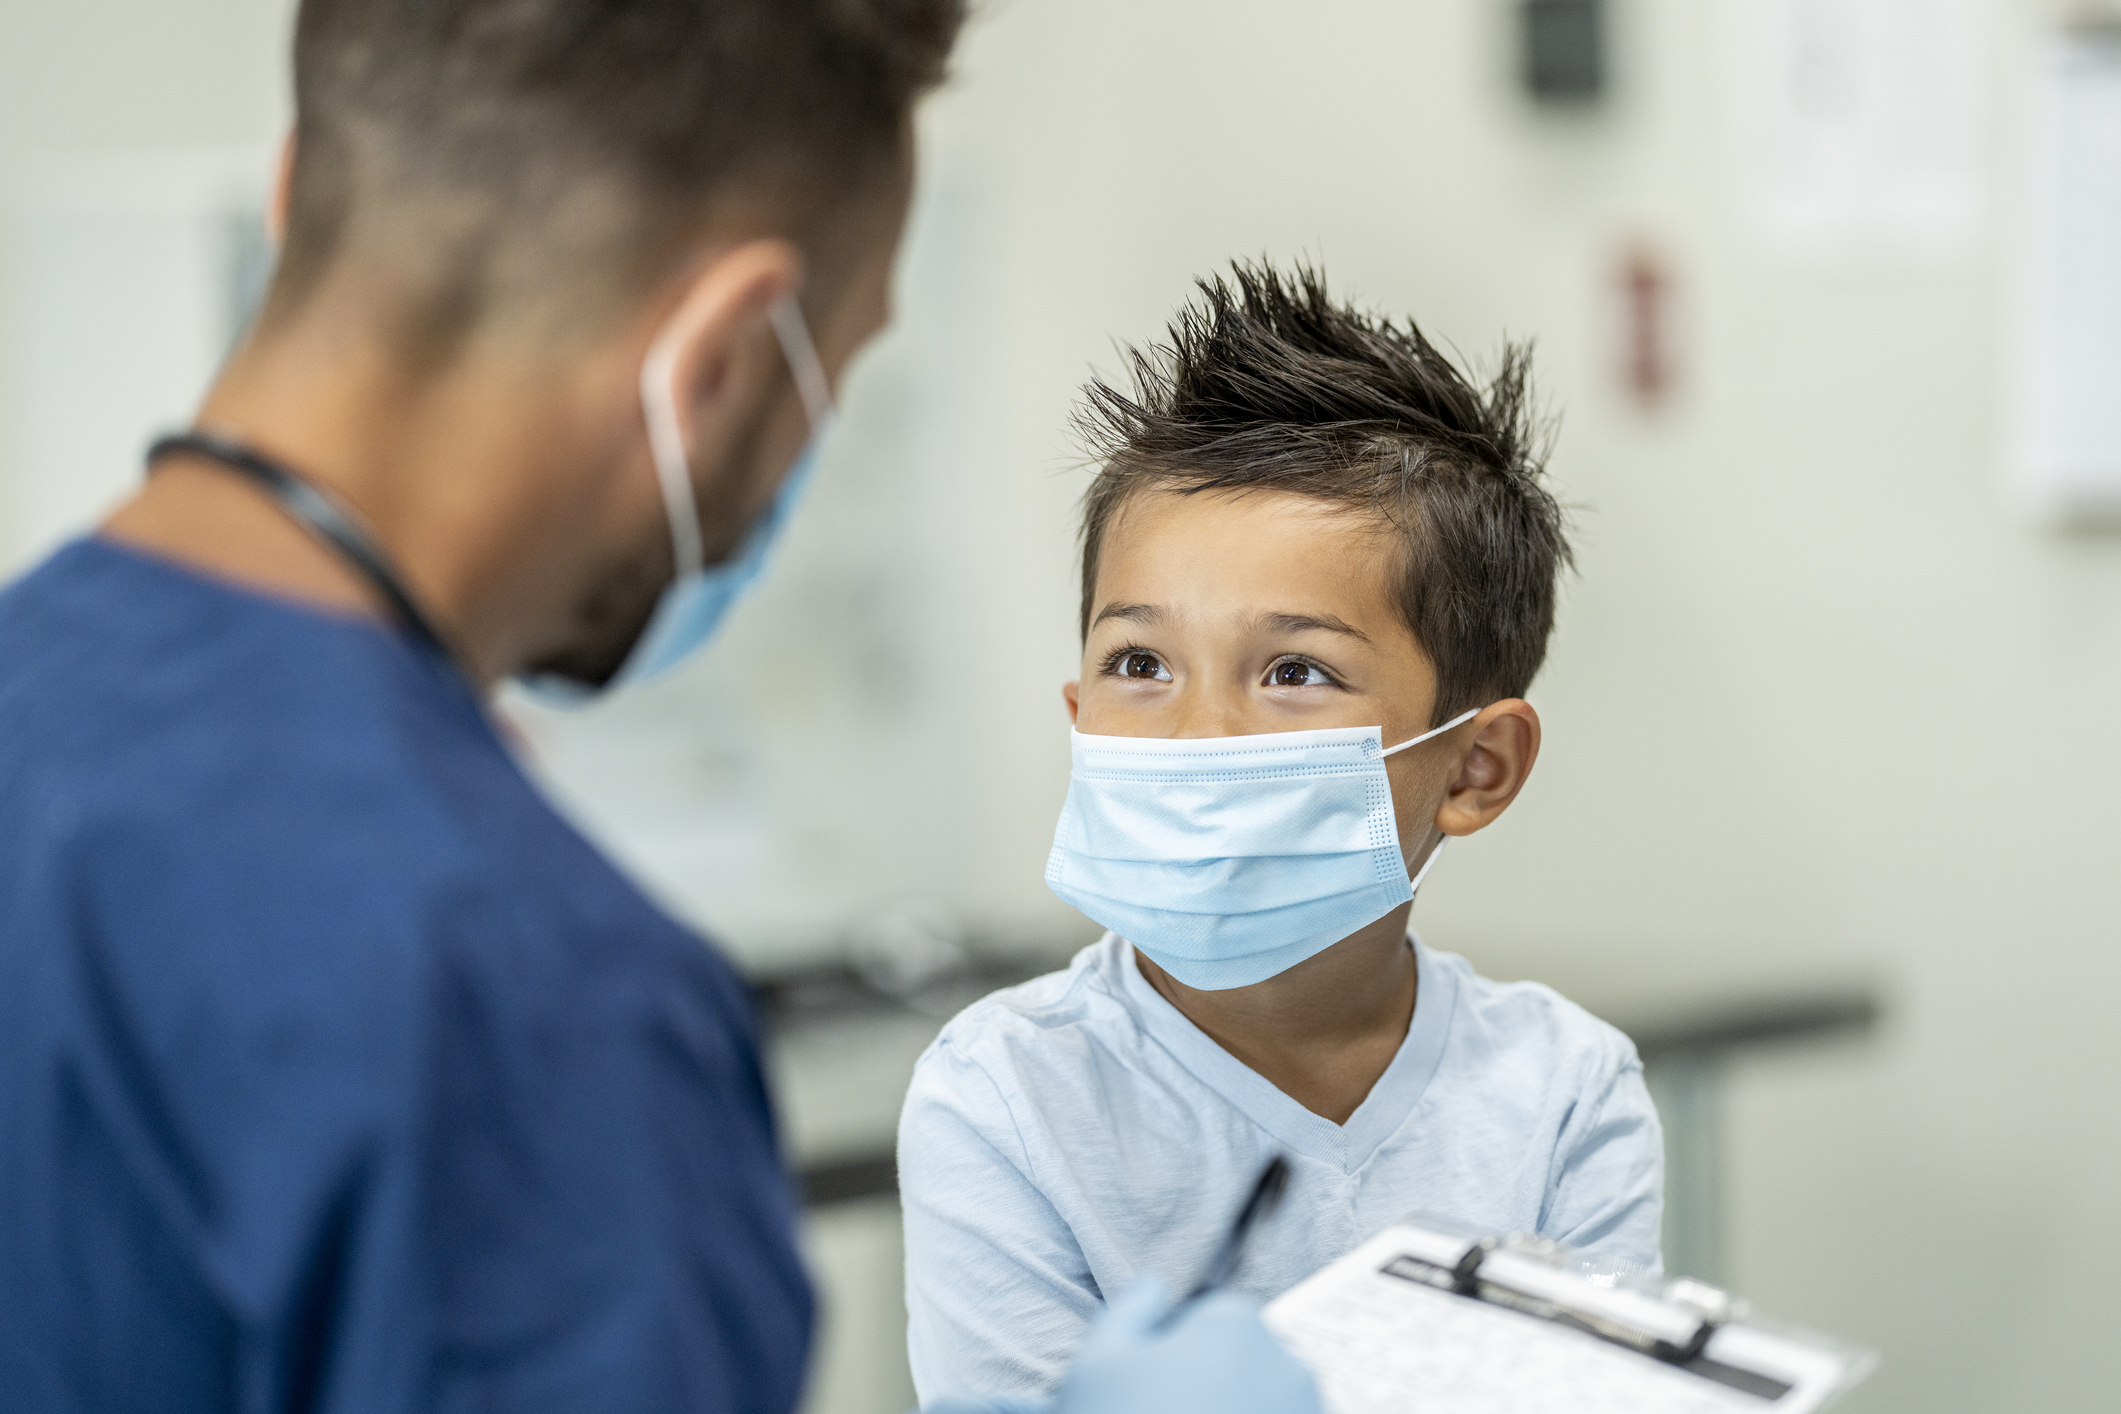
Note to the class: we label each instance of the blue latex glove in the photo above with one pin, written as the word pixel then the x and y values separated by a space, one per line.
pixel 1216 1358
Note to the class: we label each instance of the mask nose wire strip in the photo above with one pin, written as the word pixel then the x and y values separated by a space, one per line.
pixel 1458 720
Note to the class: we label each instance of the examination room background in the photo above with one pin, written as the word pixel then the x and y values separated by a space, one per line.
pixel 1827 802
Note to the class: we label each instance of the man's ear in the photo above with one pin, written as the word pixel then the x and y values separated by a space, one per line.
pixel 1505 744
pixel 712 320
pixel 1072 694
pixel 283 181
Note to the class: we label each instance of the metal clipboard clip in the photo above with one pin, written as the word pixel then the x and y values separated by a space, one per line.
pixel 1433 1306
pixel 1673 1323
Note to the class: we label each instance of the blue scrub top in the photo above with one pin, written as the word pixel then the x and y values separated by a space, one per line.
pixel 336 1071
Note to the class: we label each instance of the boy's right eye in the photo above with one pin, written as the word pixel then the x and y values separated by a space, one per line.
pixel 1145 667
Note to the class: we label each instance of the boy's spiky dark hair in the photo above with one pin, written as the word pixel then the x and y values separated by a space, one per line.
pixel 1266 384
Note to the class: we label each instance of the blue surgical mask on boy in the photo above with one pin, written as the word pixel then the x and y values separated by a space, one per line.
pixel 1227 860
pixel 694 603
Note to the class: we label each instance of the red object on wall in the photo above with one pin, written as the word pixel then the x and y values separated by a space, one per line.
pixel 1646 295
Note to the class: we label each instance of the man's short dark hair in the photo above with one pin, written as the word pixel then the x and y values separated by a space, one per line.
pixel 1266 384
pixel 574 143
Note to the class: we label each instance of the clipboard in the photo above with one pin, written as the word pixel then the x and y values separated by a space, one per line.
pixel 1428 1316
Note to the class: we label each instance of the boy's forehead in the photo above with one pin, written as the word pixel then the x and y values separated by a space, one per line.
pixel 1246 552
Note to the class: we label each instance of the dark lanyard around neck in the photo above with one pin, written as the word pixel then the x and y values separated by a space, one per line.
pixel 317 513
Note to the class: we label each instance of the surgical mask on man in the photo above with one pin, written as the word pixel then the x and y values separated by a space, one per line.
pixel 1227 860
pixel 692 606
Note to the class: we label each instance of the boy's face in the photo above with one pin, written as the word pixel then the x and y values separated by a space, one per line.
pixel 1227 614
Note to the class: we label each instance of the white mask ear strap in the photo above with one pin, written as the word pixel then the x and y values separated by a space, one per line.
pixel 666 439
pixel 1428 864
pixel 811 384
pixel 666 435
pixel 1459 720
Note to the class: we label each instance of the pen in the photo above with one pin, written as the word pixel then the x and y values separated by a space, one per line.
pixel 1273 1179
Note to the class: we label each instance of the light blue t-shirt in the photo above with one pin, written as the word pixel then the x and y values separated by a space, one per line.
pixel 1064 1137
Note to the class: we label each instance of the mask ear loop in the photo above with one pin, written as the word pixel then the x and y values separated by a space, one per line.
pixel 1437 853
pixel 666 437
pixel 1461 719
pixel 800 350
pixel 1428 864
pixel 666 440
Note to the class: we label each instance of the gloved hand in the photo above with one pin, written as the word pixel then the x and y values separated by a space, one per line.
pixel 1216 1358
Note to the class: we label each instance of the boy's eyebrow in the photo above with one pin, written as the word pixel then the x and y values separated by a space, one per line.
pixel 1302 623
pixel 1133 613
pixel 1270 623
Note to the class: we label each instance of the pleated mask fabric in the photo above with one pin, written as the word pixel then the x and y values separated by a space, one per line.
pixel 1229 859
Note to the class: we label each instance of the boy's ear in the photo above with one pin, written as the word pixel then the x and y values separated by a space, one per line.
pixel 1072 694
pixel 1505 744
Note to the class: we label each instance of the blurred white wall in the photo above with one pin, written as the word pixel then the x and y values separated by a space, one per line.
pixel 1820 706
pixel 97 97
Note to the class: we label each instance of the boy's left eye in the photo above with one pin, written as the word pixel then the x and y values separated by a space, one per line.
pixel 1295 672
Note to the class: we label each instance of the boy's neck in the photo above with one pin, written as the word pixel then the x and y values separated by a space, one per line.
pixel 1322 1032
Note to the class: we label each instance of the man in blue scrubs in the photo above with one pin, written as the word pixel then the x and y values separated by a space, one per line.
pixel 336 1072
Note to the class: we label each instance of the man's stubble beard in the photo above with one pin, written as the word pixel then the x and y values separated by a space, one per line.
pixel 614 611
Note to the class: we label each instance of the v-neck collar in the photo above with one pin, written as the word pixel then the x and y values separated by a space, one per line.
pixel 1345 1146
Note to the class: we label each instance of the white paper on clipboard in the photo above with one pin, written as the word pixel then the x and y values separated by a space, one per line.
pixel 1382 1339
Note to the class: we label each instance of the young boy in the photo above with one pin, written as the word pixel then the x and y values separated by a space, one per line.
pixel 1318 573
